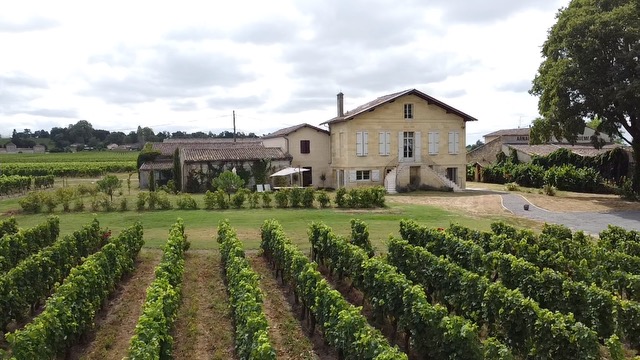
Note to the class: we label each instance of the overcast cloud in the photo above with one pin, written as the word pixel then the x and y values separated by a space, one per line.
pixel 188 65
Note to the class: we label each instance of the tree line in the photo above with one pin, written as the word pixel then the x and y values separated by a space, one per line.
pixel 84 136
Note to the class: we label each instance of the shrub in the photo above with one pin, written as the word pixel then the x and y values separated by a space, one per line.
pixel 239 198
pixel 65 195
pixel 32 202
pixel 340 199
pixel 353 198
pixel 78 204
pixel 282 198
pixel 254 199
pixel 95 204
pixel 123 204
pixel 295 197
pixel 141 200
pixel 49 200
pixel 549 189
pixel 626 191
pixel 308 196
pixel 163 201
pixel 323 199
pixel 186 202
pixel 511 186
pixel 152 200
pixel 209 200
pixel 221 199
pixel 266 199
pixel 87 189
pixel 105 203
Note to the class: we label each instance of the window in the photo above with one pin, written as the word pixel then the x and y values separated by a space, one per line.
pixel 454 142
pixel 362 143
pixel 305 146
pixel 434 143
pixel 384 143
pixel 408 111
pixel 522 138
pixel 363 175
pixel 408 144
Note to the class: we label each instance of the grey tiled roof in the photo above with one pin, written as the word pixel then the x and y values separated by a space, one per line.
pixel 391 97
pixel 290 129
pixel 516 132
pixel 155 165
pixel 543 150
pixel 168 148
pixel 231 154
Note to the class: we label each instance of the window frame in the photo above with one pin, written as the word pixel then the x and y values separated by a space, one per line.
pixel 360 175
pixel 306 147
pixel 408 111
pixel 408 137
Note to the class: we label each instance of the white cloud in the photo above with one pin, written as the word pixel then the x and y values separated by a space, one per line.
pixel 186 65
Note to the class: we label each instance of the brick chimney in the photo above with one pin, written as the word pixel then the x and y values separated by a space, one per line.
pixel 340 104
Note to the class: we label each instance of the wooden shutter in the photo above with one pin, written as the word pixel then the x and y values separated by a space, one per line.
pixel 365 143
pixel 375 175
pixel 381 143
pixel 400 146
pixel 352 176
pixel 359 143
pixel 387 143
pixel 456 142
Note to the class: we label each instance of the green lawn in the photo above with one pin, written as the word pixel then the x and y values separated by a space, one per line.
pixel 201 224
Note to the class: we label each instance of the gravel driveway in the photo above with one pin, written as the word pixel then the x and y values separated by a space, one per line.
pixel 590 222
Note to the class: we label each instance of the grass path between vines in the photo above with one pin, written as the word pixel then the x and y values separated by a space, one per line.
pixel 286 333
pixel 116 323
pixel 204 329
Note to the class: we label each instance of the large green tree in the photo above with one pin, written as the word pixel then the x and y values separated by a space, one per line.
pixel 591 69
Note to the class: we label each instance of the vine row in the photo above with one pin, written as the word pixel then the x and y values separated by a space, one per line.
pixel 433 333
pixel 510 316
pixel 33 279
pixel 152 336
pixel 70 311
pixel 18 246
pixel 344 326
pixel 8 226
pixel 243 284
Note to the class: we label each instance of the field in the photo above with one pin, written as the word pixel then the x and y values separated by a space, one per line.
pixel 204 321
pixel 79 164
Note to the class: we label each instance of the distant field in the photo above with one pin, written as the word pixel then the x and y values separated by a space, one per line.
pixel 82 156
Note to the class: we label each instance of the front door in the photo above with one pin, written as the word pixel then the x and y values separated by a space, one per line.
pixel 307 178
pixel 452 174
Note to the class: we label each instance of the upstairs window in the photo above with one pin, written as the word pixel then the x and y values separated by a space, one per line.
pixel 408 111
pixel 408 144
pixel 305 146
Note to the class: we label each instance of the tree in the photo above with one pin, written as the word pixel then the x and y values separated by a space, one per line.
pixel 229 182
pixel 109 184
pixel 177 170
pixel 590 69
pixel 475 146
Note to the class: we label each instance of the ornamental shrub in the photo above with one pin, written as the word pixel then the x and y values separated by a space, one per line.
pixel 186 202
pixel 323 199
pixel 308 196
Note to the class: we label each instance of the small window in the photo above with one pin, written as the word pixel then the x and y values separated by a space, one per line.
pixel 305 146
pixel 363 175
pixel 408 111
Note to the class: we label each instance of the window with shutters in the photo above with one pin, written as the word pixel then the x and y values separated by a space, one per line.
pixel 362 175
pixel 305 146
pixel 434 143
pixel 362 143
pixel 454 143
pixel 408 111
pixel 384 142
pixel 408 144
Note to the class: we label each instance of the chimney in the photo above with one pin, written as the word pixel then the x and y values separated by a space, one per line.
pixel 340 104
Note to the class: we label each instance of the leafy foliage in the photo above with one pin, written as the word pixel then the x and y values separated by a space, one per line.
pixel 228 182
pixel 109 184
pixel 15 247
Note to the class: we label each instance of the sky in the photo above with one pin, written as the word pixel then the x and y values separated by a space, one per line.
pixel 188 65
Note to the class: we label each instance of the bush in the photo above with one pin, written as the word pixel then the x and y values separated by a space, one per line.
pixel 152 200
pixel 96 205
pixel 511 186
pixel 50 200
pixel 162 200
pixel 64 196
pixel 141 200
pixel 186 202
pixel 86 189
pixel 549 189
pixel 32 202
pixel 295 197
pixel 323 199
pixel 105 203
pixel 78 204
pixel 123 204
pixel 626 190
pixel 209 200
pixel 340 199
pixel 221 199
pixel 308 196
pixel 266 199
pixel 282 198
pixel 239 198
pixel 254 199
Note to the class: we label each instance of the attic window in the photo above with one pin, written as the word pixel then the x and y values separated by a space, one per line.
pixel 305 146
pixel 408 111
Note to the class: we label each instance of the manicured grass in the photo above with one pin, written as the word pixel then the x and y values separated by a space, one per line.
pixel 201 224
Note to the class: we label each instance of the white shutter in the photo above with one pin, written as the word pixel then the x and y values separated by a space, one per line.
pixel 417 152
pixel 432 143
pixel 365 143
pixel 381 143
pixel 359 143
pixel 452 143
pixel 400 147
pixel 352 176
pixel 387 143
pixel 375 175
pixel 456 142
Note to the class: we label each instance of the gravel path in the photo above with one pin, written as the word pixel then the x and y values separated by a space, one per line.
pixel 590 222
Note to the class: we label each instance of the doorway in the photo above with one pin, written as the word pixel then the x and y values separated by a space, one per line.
pixel 307 177
pixel 452 174
pixel 414 176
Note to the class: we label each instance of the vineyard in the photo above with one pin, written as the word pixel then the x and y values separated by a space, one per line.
pixel 452 293
pixel 80 164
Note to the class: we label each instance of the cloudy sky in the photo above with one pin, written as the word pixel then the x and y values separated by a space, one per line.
pixel 187 65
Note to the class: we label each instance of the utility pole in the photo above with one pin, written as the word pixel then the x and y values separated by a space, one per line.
pixel 234 126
